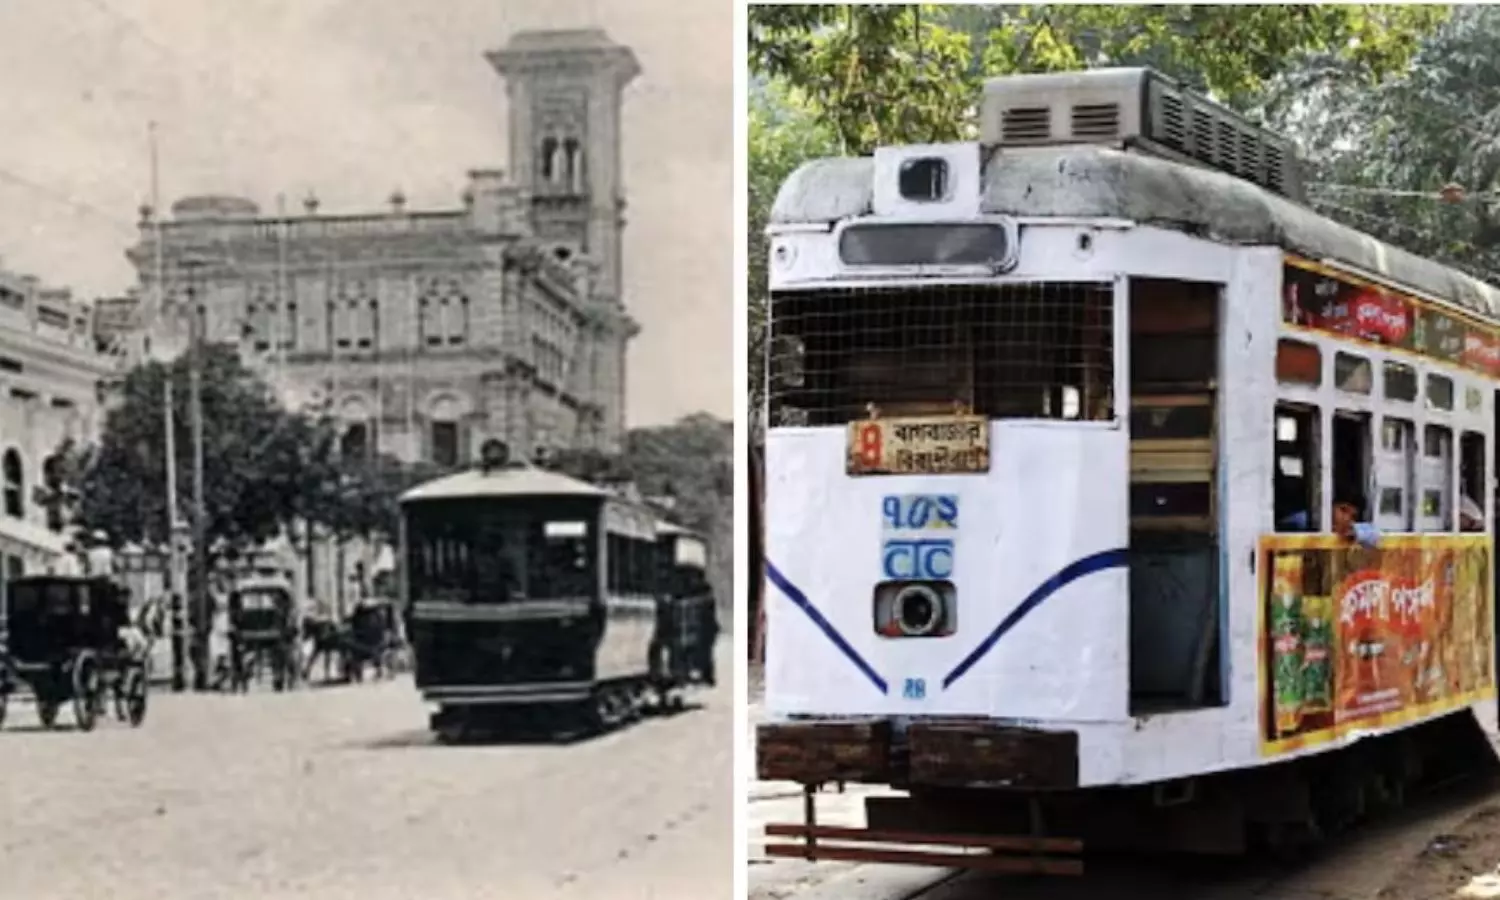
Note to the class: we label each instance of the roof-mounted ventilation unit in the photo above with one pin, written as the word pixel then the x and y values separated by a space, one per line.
pixel 1136 109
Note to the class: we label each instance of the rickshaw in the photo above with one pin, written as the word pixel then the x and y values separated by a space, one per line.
pixel 66 642
pixel 372 637
pixel 262 633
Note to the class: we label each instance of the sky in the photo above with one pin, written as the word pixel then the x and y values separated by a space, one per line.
pixel 352 99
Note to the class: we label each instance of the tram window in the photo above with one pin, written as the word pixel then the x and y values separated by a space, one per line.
pixel 1471 482
pixel 1400 382
pixel 1298 362
pixel 1028 351
pixel 1394 466
pixel 1350 457
pixel 1394 470
pixel 1295 484
pixel 1435 479
pixel 1352 373
pixel 1439 392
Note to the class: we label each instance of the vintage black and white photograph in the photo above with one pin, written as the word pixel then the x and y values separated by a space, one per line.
pixel 367 449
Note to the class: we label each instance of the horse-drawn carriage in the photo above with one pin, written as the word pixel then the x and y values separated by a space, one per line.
pixel 67 642
pixel 371 637
pixel 263 632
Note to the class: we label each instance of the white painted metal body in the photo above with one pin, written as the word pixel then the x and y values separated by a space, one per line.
pixel 1055 497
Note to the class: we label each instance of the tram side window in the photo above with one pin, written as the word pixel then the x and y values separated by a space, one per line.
pixel 1295 480
pixel 1471 481
pixel 1393 474
pixel 1351 461
pixel 1400 382
pixel 1439 392
pixel 1435 480
pixel 1352 374
pixel 1298 362
pixel 632 565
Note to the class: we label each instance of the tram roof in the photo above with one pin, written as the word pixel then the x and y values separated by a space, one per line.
pixel 514 481
pixel 671 529
pixel 1083 181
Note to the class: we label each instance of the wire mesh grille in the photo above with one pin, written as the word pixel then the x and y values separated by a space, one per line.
pixel 1041 350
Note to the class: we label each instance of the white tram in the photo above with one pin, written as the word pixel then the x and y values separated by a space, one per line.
pixel 528 591
pixel 1061 425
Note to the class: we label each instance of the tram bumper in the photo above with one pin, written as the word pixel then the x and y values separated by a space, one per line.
pixel 932 752
pixel 546 692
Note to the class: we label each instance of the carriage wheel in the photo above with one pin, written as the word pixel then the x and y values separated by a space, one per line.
pixel 134 697
pixel 87 695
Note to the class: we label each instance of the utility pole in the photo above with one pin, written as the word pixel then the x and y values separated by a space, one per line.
pixel 158 311
pixel 204 625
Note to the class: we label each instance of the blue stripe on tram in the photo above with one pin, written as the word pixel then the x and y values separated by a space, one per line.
pixel 1097 562
pixel 800 599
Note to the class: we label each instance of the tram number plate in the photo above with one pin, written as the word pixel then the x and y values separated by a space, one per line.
pixel 939 445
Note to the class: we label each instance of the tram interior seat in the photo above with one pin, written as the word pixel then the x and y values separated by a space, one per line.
pixel 1174 580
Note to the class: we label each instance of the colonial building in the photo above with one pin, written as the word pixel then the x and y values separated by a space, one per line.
pixel 50 373
pixel 426 332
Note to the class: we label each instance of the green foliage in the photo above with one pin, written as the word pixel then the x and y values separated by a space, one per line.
pixel 907 74
pixel 1404 140
pixel 783 134
pixel 849 78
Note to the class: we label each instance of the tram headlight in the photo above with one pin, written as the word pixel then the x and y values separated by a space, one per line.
pixel 915 609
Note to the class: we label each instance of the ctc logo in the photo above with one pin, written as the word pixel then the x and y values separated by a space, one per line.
pixel 930 560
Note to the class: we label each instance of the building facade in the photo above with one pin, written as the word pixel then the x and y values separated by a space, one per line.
pixel 426 332
pixel 50 374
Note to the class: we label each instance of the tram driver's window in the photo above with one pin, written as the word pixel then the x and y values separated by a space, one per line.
pixel 1471 482
pixel 1295 484
pixel 1351 460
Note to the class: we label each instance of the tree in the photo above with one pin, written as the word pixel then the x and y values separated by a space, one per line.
pixel 1381 157
pixel 262 463
pixel 783 134
pixel 906 74
pixel 845 79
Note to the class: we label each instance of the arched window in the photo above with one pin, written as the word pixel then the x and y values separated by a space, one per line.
pixel 573 157
pixel 355 442
pixel 549 150
pixel 52 480
pixel 458 330
pixel 443 432
pixel 15 485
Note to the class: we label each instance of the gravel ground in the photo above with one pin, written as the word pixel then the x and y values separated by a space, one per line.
pixel 340 793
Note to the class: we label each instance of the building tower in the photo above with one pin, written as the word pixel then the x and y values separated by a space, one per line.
pixel 565 94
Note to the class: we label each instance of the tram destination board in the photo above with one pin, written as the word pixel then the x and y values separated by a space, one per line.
pixel 935 445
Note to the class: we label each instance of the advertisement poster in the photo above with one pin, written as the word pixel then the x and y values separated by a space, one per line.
pixel 1357 639
pixel 1322 300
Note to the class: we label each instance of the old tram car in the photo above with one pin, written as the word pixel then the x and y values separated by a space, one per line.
pixel 529 596
pixel 1074 405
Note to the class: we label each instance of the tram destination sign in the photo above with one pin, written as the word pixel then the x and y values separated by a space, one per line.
pixel 930 445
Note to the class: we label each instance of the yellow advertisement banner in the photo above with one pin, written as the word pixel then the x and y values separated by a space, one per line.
pixel 1356 639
